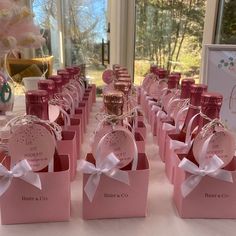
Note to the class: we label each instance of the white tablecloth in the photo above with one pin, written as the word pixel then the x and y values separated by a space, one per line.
pixel 162 217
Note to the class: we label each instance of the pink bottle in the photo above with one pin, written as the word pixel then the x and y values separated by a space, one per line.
pixel 47 85
pixel 113 105
pixel 58 82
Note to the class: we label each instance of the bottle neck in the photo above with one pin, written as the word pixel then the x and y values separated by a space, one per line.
pixel 38 109
pixel 209 112
pixel 193 110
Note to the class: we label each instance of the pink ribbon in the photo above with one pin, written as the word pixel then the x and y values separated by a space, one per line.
pixel 21 170
pixel 106 166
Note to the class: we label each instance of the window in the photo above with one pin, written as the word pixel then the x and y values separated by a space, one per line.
pixel 169 34
pixel 74 31
pixel 226 22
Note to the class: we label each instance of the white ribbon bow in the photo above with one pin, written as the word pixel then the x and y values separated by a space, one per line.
pixel 106 166
pixel 161 115
pixel 212 168
pixel 21 170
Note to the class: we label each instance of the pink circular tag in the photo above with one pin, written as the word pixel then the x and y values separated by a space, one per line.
pixel 120 143
pixel 108 76
pixel 34 143
pixel 53 112
pixel 221 144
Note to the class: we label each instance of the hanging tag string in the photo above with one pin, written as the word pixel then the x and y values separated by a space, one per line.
pixel 211 124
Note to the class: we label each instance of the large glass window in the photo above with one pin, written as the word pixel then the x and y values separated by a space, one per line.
pixel 169 34
pixel 83 24
pixel 226 22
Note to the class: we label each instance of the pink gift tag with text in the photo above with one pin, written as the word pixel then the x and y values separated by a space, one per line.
pixel 121 143
pixel 34 143
pixel 221 144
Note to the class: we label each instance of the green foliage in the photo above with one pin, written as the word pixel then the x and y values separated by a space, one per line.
pixel 169 33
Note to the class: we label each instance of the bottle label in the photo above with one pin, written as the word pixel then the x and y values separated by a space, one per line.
pixel 34 143
pixel 119 142
pixel 221 144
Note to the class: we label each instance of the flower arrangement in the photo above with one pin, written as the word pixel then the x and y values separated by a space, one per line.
pixel 17 29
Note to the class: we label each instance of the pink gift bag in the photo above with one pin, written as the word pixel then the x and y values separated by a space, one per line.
pixel 211 198
pixel 140 142
pixel 115 199
pixel 80 114
pixel 141 128
pixel 67 146
pixel 75 126
pixel 82 106
pixel 24 203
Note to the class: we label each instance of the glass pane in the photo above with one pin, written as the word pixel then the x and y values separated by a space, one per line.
pixel 85 28
pixel 46 17
pixel 169 34
pixel 226 22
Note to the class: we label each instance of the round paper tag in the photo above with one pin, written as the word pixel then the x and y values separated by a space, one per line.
pixel 108 76
pixel 53 112
pixel 34 143
pixel 120 143
pixel 221 144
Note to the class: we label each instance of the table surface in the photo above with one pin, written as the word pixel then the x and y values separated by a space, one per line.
pixel 162 218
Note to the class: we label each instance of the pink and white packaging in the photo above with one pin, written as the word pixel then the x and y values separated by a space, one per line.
pixel 211 198
pixel 87 108
pixel 75 126
pixel 24 203
pixel 141 128
pixel 114 199
pixel 140 142
pixel 153 121
pixel 82 106
pixel 67 146
pixel 80 114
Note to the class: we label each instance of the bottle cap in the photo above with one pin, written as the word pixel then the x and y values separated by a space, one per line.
pixel 46 84
pixel 36 96
pixel 209 99
pixel 185 87
pixel 65 75
pixel 198 88
pixel 173 81
pixel 162 73
pixel 114 102
pixel 123 86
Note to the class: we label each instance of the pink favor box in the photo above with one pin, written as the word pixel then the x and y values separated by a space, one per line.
pixel 79 114
pixel 75 126
pixel 140 142
pixel 24 203
pixel 211 198
pixel 141 128
pixel 82 106
pixel 67 146
pixel 171 157
pixel 114 199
